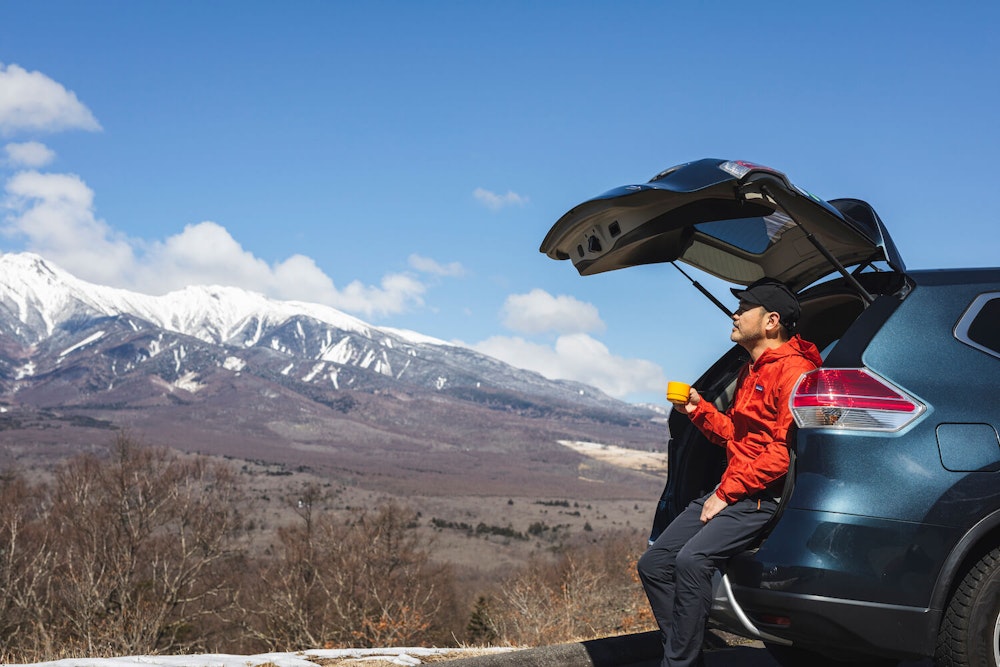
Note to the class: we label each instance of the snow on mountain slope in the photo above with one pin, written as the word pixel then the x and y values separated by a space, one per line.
pixel 41 292
pixel 53 320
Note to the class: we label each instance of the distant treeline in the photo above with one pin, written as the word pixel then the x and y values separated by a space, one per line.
pixel 147 551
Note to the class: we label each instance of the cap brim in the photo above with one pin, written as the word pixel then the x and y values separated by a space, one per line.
pixel 745 295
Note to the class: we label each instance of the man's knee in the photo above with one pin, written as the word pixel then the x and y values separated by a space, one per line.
pixel 644 567
pixel 690 561
pixel 654 564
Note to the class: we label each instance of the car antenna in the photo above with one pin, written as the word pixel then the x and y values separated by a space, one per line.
pixel 704 291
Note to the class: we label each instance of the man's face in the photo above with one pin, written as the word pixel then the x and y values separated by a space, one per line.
pixel 749 321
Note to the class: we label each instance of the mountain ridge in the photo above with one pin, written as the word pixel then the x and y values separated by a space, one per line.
pixel 219 315
pixel 235 373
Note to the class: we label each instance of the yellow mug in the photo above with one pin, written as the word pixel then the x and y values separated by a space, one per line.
pixel 678 392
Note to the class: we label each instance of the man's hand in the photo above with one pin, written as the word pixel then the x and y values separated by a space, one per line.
pixel 694 398
pixel 712 506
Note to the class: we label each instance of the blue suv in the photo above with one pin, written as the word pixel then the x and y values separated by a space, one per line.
pixel 886 544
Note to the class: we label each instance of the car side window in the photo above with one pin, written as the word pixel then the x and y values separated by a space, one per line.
pixel 979 326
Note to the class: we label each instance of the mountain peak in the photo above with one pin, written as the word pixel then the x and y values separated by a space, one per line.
pixel 305 342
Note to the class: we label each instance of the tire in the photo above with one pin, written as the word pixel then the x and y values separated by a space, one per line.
pixel 970 630
pixel 793 656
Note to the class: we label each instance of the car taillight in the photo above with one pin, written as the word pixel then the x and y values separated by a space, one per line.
pixel 852 399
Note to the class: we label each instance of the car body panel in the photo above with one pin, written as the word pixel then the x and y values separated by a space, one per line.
pixel 846 556
pixel 879 518
pixel 937 369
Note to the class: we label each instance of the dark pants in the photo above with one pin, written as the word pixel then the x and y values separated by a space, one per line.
pixel 677 569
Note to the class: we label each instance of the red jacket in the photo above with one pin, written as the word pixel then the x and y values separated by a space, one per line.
pixel 754 428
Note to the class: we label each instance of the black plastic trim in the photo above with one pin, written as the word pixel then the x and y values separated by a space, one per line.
pixel 961 330
pixel 829 625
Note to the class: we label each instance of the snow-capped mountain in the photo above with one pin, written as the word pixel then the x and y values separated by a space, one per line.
pixel 53 319
pixel 223 370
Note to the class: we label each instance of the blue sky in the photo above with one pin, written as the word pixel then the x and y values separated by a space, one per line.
pixel 402 161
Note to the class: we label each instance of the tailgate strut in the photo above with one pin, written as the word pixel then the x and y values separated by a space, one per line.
pixel 869 299
pixel 704 291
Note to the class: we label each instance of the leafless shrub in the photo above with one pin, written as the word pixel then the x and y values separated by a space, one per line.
pixel 127 554
pixel 364 582
pixel 589 590
pixel 25 558
pixel 142 552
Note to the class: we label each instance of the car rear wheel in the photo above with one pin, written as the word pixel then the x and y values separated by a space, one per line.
pixel 970 631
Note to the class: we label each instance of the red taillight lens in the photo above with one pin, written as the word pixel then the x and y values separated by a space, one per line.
pixel 853 399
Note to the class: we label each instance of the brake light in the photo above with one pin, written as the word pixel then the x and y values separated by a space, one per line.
pixel 740 168
pixel 852 399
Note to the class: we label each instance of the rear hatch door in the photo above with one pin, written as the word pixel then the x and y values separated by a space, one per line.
pixel 735 220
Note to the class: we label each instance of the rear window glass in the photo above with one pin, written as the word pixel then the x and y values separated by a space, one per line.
pixel 753 235
pixel 980 325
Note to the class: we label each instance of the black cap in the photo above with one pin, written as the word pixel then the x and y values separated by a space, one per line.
pixel 775 296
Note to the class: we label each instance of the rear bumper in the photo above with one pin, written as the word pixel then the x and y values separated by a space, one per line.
pixel 834 583
pixel 829 625
pixel 825 625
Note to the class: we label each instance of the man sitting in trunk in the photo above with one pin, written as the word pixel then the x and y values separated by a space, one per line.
pixel 677 569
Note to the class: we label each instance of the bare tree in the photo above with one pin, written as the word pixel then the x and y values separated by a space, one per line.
pixel 143 551
pixel 364 582
pixel 588 590
pixel 142 539
pixel 26 556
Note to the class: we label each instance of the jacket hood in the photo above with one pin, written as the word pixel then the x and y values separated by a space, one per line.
pixel 794 346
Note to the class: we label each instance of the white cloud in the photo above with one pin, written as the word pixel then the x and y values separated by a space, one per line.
pixel 34 102
pixel 202 254
pixel 30 154
pixel 538 312
pixel 581 358
pixel 54 213
pixel 206 253
pixel 396 292
pixel 496 202
pixel 574 355
pixel 428 265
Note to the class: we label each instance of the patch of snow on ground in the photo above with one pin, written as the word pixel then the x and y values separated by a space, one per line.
pixel 623 457
pixel 154 346
pixel 315 371
pixel 234 364
pixel 188 382
pixel 310 658
pixel 86 341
